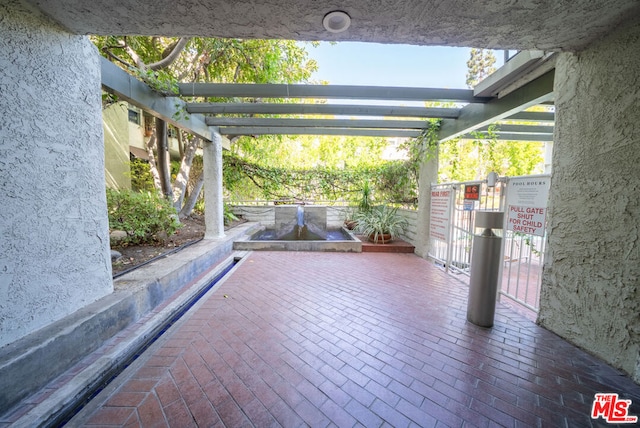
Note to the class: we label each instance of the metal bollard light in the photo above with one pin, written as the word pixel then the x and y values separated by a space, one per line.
pixel 485 268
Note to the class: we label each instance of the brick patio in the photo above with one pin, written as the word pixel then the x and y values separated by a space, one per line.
pixel 345 339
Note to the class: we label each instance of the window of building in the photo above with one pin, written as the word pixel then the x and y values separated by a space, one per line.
pixel 134 116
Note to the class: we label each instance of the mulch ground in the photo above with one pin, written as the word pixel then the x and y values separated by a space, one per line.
pixel 135 255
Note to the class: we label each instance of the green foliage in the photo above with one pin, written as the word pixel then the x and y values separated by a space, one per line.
pixel 228 214
pixel 310 151
pixel 160 81
pixel 141 215
pixel 466 160
pixel 209 60
pixel 141 178
pixel 108 99
pixel 364 203
pixel 248 181
pixel 163 61
pixel 199 207
pixel 380 220
pixel 327 168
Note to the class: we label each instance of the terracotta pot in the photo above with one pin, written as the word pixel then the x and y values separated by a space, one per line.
pixel 350 224
pixel 382 239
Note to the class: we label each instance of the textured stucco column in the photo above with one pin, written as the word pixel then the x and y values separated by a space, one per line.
pixel 54 231
pixel 213 196
pixel 428 176
pixel 591 282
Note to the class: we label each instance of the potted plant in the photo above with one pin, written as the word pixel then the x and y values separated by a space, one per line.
pixel 381 224
pixel 364 205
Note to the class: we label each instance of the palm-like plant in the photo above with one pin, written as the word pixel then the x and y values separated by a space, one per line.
pixel 381 223
pixel 364 205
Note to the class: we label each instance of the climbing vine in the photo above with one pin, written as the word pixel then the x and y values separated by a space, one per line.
pixel 390 181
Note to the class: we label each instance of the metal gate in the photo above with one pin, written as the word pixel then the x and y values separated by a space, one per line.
pixel 523 253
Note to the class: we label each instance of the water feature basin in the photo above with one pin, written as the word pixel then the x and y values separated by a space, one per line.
pixel 267 240
pixel 299 228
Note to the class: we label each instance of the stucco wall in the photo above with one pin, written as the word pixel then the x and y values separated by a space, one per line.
pixel 54 244
pixel 591 284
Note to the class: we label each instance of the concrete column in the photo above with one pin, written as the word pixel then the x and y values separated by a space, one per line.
pixel 428 176
pixel 590 294
pixel 213 217
pixel 54 229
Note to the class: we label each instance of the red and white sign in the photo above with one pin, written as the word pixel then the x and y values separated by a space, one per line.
pixel 612 409
pixel 441 201
pixel 527 204
pixel 526 220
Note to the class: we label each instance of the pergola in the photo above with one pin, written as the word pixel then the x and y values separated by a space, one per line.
pixel 376 111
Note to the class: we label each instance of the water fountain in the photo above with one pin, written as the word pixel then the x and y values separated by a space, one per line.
pixel 300 228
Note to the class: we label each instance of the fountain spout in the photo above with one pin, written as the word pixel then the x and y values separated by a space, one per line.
pixel 300 228
pixel 304 226
pixel 300 215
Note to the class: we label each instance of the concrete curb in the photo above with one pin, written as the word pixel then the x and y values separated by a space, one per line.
pixel 29 364
pixel 74 392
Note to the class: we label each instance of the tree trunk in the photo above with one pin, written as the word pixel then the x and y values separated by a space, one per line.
pixel 193 197
pixel 181 143
pixel 163 158
pixel 152 162
pixel 181 181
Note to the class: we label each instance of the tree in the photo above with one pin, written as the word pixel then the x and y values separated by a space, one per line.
pixel 162 62
pixel 480 65
pixel 473 159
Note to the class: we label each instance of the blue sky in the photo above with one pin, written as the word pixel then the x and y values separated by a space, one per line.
pixel 355 63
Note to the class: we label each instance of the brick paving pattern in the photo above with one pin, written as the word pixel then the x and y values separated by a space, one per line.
pixel 327 339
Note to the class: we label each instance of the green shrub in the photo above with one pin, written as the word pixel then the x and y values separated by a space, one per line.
pixel 141 215
pixel 141 178
pixel 228 215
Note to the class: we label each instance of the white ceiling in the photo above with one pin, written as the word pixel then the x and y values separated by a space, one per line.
pixel 501 24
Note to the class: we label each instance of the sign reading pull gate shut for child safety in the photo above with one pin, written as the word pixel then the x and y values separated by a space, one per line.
pixel 527 204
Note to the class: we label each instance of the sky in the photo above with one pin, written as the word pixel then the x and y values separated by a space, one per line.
pixel 356 63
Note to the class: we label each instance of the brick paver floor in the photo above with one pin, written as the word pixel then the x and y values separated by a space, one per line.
pixel 333 339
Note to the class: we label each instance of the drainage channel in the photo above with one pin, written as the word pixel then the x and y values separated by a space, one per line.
pixel 67 413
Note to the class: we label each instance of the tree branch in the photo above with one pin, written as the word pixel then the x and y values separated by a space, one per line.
pixel 173 55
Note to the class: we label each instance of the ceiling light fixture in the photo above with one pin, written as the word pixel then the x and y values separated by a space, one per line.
pixel 336 21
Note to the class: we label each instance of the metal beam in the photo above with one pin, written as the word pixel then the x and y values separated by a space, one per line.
pixel 533 116
pixel 362 132
pixel 128 88
pixel 521 129
pixel 230 90
pixel 507 136
pixel 316 123
pixel 475 116
pixel 510 71
pixel 322 109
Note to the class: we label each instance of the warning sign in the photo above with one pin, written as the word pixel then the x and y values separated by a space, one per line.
pixel 472 192
pixel 526 220
pixel 441 200
pixel 527 205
